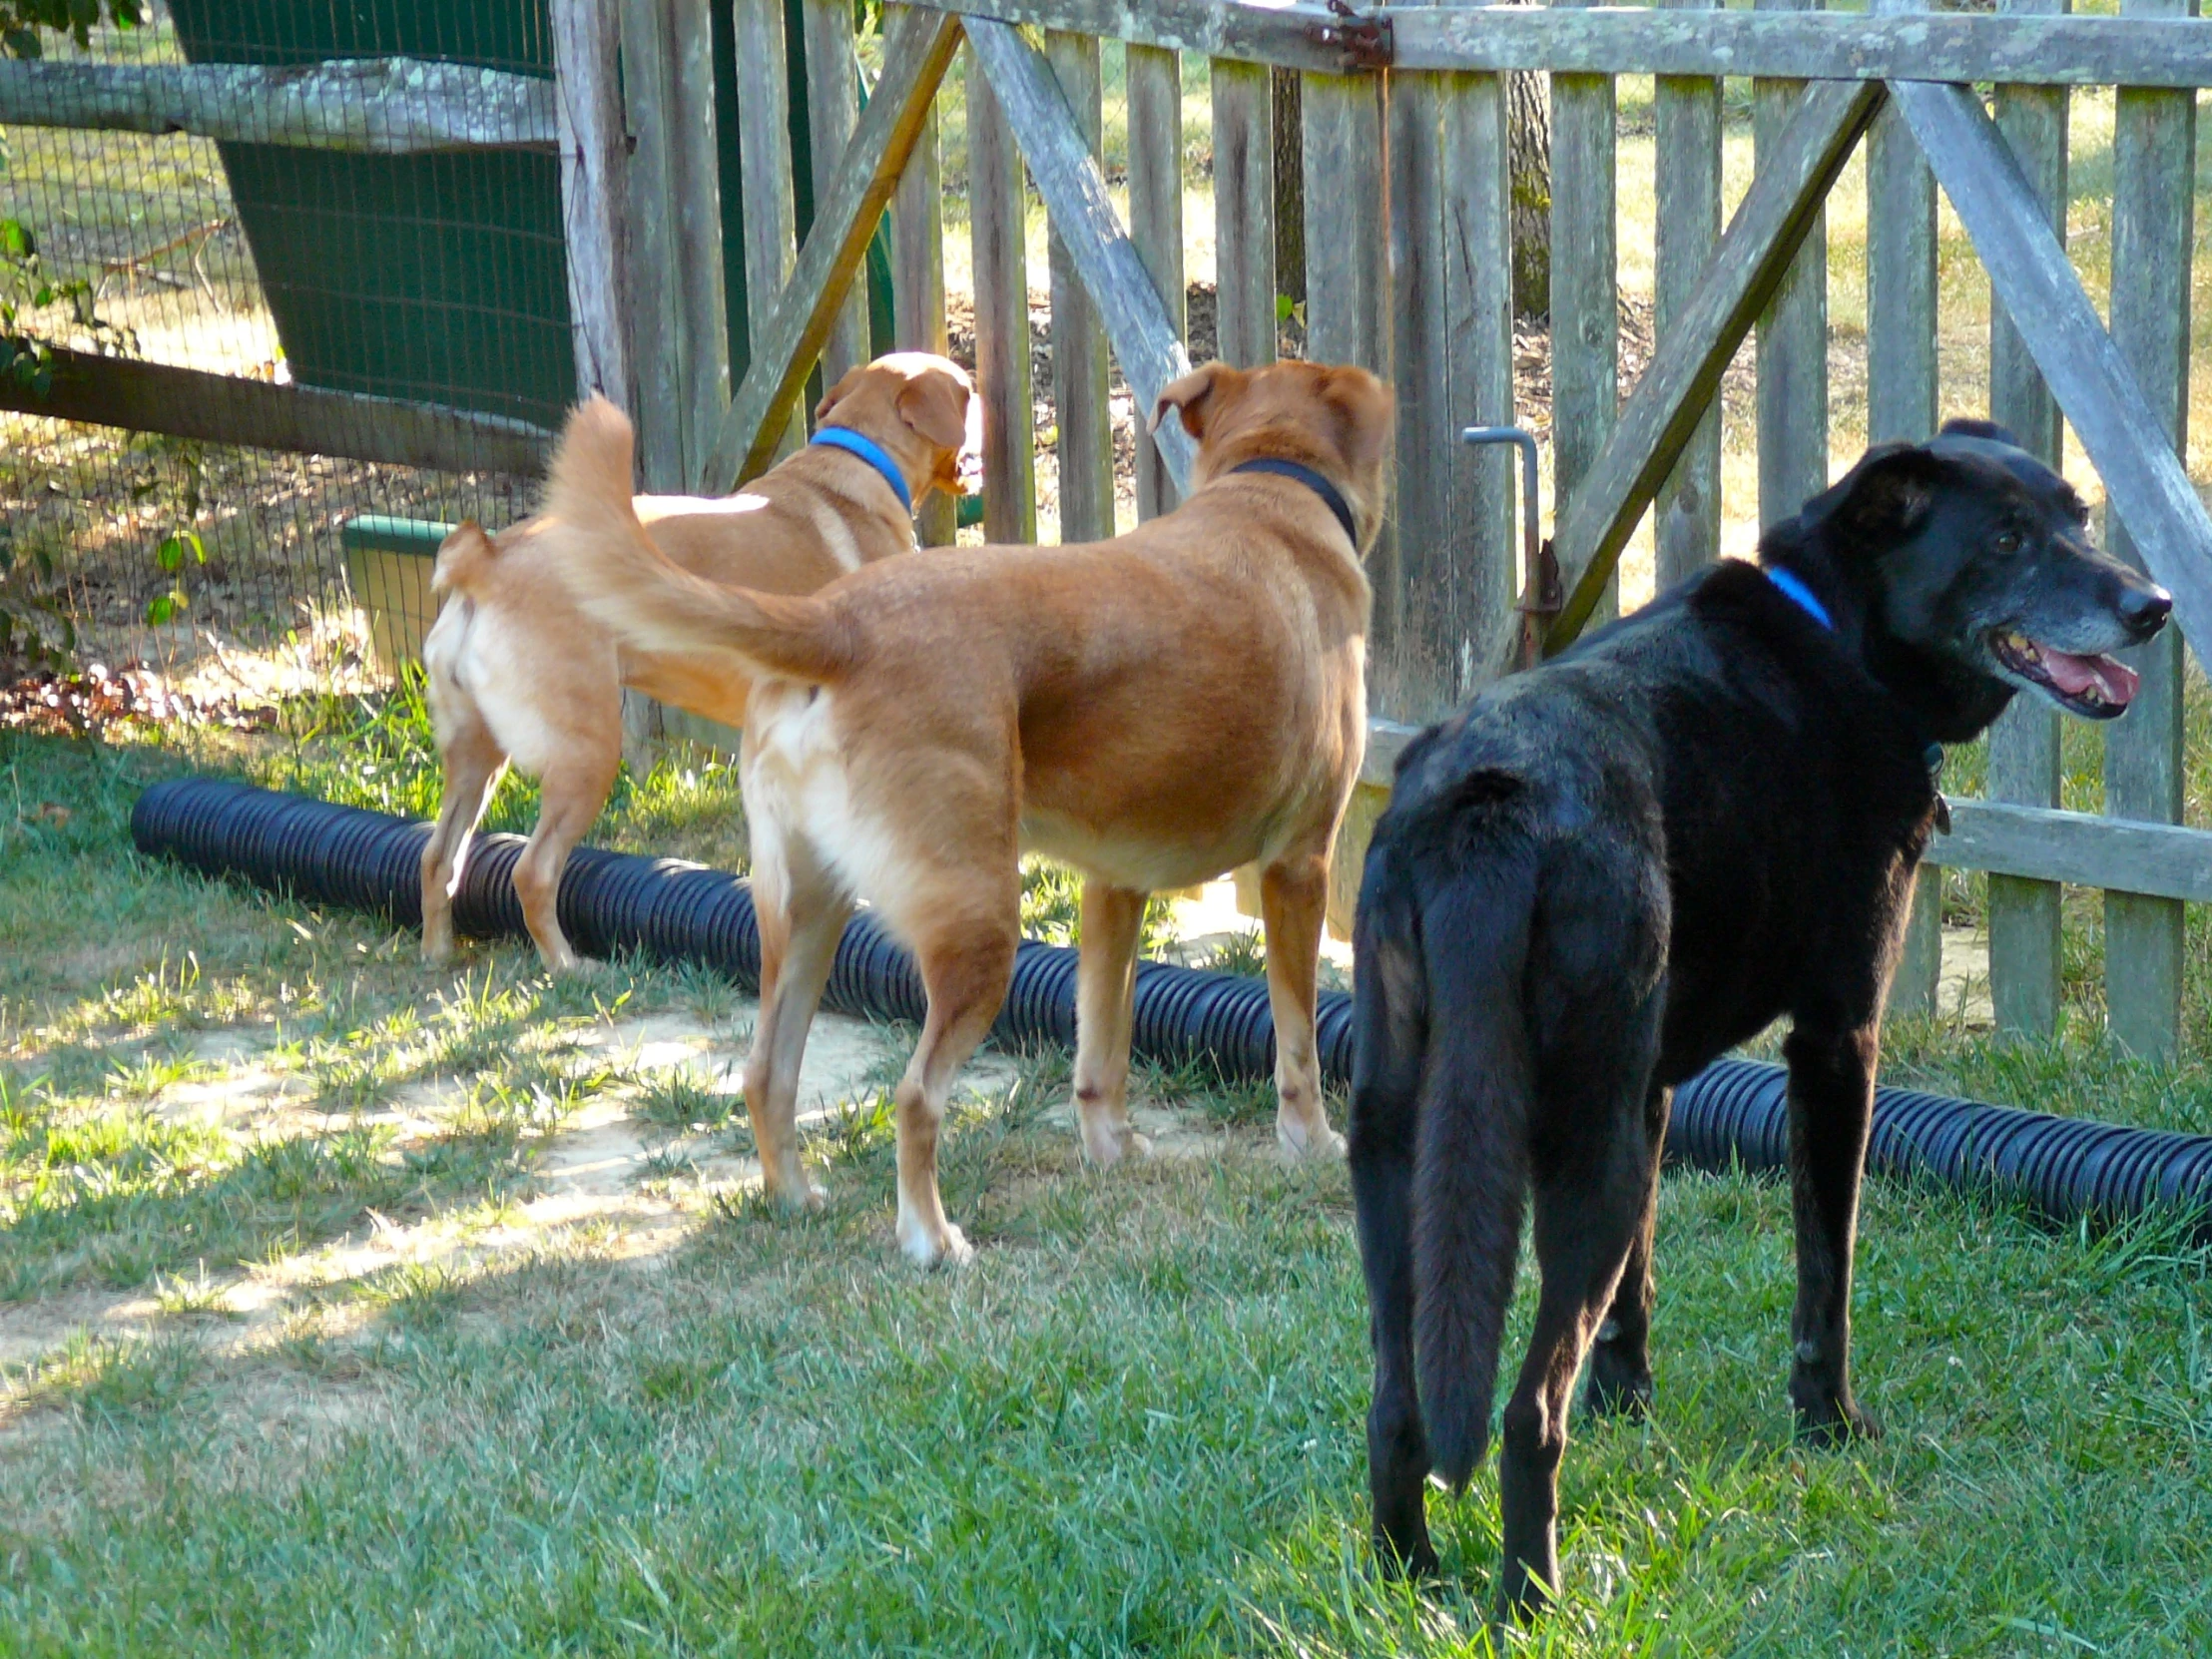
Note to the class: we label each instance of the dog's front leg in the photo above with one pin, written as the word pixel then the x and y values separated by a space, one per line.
pixel 1620 1359
pixel 1294 895
pixel 1830 1111
pixel 1105 1003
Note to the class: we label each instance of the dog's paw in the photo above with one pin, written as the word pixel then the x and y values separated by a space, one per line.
pixel 1834 1424
pixel 949 1249
pixel 1616 1391
pixel 1109 1147
pixel 799 1197
pixel 1300 1140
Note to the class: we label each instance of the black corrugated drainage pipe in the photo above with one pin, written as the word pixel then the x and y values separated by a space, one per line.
pixel 1731 1114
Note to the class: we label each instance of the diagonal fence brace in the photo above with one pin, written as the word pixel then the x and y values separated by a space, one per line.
pixel 1144 338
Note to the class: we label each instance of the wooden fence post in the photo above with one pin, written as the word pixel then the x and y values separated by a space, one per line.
pixel 1586 302
pixel 918 289
pixel 1793 334
pixel 1155 82
pixel 1415 681
pixel 2153 162
pixel 1080 369
pixel 656 330
pixel 833 105
pixel 2025 959
pixel 1483 493
pixel 1901 389
pixel 1244 212
pixel 594 158
pixel 998 214
pixel 1686 115
pixel 765 154
pixel 1348 306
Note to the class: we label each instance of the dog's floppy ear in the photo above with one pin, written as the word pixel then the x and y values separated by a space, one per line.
pixel 841 390
pixel 1361 406
pixel 935 405
pixel 1963 426
pixel 1198 396
pixel 1884 497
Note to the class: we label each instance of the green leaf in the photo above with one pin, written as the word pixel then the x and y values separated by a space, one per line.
pixel 161 609
pixel 1282 308
pixel 171 554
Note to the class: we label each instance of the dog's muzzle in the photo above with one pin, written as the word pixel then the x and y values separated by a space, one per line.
pixel 2091 684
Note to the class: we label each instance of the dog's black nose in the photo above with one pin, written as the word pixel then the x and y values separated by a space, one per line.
pixel 2145 610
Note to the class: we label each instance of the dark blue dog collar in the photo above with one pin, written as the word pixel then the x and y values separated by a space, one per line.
pixel 855 444
pixel 1313 481
pixel 1794 587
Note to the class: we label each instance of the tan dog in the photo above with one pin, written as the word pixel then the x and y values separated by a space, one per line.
pixel 518 673
pixel 1153 710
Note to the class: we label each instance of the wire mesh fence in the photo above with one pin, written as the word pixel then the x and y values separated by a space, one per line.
pixel 333 304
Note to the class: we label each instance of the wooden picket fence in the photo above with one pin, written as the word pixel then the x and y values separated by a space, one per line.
pixel 1407 246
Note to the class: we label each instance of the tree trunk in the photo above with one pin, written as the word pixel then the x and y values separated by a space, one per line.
pixel 1529 113
pixel 1290 186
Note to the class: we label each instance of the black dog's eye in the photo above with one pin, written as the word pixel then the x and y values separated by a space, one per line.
pixel 2009 542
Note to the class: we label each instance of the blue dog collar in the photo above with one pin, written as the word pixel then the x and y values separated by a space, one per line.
pixel 1793 585
pixel 855 444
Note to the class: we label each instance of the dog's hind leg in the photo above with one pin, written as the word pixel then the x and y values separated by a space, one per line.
pixel 1106 994
pixel 802 912
pixel 1620 1359
pixel 1831 1114
pixel 471 759
pixel 571 788
pixel 1390 1039
pixel 1293 894
pixel 966 956
pixel 1588 1206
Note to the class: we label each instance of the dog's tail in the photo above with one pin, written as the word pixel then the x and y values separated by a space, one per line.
pixel 1471 1169
pixel 607 561
pixel 463 558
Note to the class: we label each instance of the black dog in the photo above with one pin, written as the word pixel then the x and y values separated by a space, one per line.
pixel 1601 874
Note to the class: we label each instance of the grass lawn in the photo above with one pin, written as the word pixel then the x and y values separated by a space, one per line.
pixel 304 1354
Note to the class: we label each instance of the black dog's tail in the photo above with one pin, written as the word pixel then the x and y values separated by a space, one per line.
pixel 1471 1158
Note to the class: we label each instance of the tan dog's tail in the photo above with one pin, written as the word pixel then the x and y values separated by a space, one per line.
pixel 463 558
pixel 618 576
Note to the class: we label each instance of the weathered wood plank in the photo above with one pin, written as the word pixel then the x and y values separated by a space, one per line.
pixel 1902 388
pixel 1155 81
pixel 1415 678
pixel 362 106
pixel 1294 36
pixel 1685 369
pixel 303 420
pixel 1244 212
pixel 1080 369
pixel 2025 964
pixel 764 166
pixel 1792 339
pixel 916 51
pixel 1348 304
pixel 1143 337
pixel 594 207
pixel 832 106
pixel 1686 115
pixel 918 289
pixel 656 272
pixel 1479 310
pixel 695 188
pixel 2153 159
pixel 2028 272
pixel 1586 309
pixel 998 226
pixel 1941 46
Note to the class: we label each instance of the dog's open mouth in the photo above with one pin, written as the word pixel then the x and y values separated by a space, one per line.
pixel 2095 686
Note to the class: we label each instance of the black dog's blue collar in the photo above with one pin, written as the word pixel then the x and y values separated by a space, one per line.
pixel 1313 481
pixel 856 443
pixel 1793 587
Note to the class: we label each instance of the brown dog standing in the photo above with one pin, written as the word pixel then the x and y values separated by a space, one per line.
pixel 1153 710
pixel 517 672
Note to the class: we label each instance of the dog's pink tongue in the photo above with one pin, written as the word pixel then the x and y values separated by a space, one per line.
pixel 2075 675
